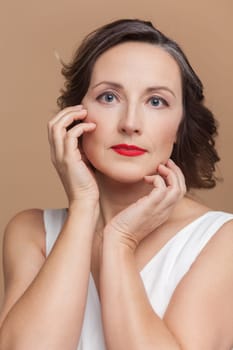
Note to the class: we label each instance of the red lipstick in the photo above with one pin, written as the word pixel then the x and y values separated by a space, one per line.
pixel 128 150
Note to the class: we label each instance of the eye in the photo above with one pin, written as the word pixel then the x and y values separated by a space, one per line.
pixel 106 97
pixel 156 101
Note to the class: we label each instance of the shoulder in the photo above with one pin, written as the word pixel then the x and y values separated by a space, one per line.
pixel 222 241
pixel 25 226
pixel 216 243
pixel 215 221
pixel 26 231
pixel 203 299
pixel 26 218
pixel 23 254
pixel 220 246
pixel 24 240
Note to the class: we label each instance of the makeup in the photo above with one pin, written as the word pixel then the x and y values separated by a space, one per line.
pixel 128 150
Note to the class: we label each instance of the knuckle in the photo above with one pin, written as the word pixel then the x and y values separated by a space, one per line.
pixel 73 131
pixel 69 136
pixel 50 122
pixel 53 160
pixel 162 191
pixel 71 109
pixel 160 194
pixel 178 195
pixel 175 193
pixel 184 189
pixel 183 192
pixel 66 160
pixel 49 127
pixel 54 129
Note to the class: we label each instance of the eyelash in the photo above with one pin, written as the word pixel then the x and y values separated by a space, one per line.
pixel 164 102
pixel 100 97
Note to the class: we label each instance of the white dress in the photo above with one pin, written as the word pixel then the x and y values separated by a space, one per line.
pixel 160 276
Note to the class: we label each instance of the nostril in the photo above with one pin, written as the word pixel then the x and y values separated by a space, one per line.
pixel 129 130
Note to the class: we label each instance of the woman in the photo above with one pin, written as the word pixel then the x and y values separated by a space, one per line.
pixel 133 262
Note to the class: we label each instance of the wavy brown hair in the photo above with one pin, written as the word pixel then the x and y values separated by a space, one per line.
pixel 194 151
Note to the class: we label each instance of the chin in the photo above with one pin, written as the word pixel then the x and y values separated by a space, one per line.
pixel 124 171
pixel 127 179
pixel 126 176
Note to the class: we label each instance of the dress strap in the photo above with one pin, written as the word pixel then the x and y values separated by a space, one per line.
pixel 53 221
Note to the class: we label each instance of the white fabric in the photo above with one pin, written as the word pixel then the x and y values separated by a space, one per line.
pixel 160 276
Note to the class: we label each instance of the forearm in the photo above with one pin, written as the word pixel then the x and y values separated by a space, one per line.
pixel 50 313
pixel 129 320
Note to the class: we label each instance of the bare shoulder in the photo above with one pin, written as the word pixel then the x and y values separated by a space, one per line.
pixel 26 227
pixel 23 254
pixel 202 302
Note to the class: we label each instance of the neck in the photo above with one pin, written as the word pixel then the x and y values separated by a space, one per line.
pixel 116 196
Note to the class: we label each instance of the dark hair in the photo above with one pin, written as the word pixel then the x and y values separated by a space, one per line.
pixel 194 151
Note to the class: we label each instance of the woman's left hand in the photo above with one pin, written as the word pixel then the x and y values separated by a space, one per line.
pixel 137 221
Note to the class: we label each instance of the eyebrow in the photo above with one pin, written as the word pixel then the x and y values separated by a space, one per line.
pixel 149 89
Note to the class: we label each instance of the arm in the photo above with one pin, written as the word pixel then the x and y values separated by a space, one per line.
pixel 45 300
pixel 128 317
pixel 200 313
pixel 130 322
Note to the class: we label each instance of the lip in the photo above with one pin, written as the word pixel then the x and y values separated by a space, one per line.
pixel 128 150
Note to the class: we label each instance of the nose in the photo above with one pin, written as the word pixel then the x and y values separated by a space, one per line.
pixel 131 121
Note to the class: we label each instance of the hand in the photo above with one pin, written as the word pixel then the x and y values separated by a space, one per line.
pixel 140 219
pixel 71 165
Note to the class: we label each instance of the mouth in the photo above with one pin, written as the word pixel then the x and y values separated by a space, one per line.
pixel 128 150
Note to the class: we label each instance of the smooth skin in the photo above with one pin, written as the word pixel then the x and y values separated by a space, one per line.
pixel 134 97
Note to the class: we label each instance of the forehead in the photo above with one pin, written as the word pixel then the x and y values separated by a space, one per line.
pixel 144 63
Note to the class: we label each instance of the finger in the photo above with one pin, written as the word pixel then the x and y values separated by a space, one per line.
pixel 71 139
pixel 174 187
pixel 58 131
pixel 83 154
pixel 155 180
pixel 170 177
pixel 53 121
pixel 172 165
pixel 158 193
pixel 65 120
pixel 64 111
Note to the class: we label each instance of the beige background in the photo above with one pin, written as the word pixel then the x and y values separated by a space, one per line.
pixel 30 81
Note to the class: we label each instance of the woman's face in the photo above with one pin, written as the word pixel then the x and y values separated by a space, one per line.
pixel 135 99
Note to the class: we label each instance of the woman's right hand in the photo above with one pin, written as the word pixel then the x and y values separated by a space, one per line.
pixel 70 163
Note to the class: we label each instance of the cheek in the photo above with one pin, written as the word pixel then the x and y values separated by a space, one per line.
pixel 92 114
pixel 89 146
pixel 171 134
pixel 104 121
pixel 89 139
pixel 165 134
pixel 163 140
pixel 92 141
